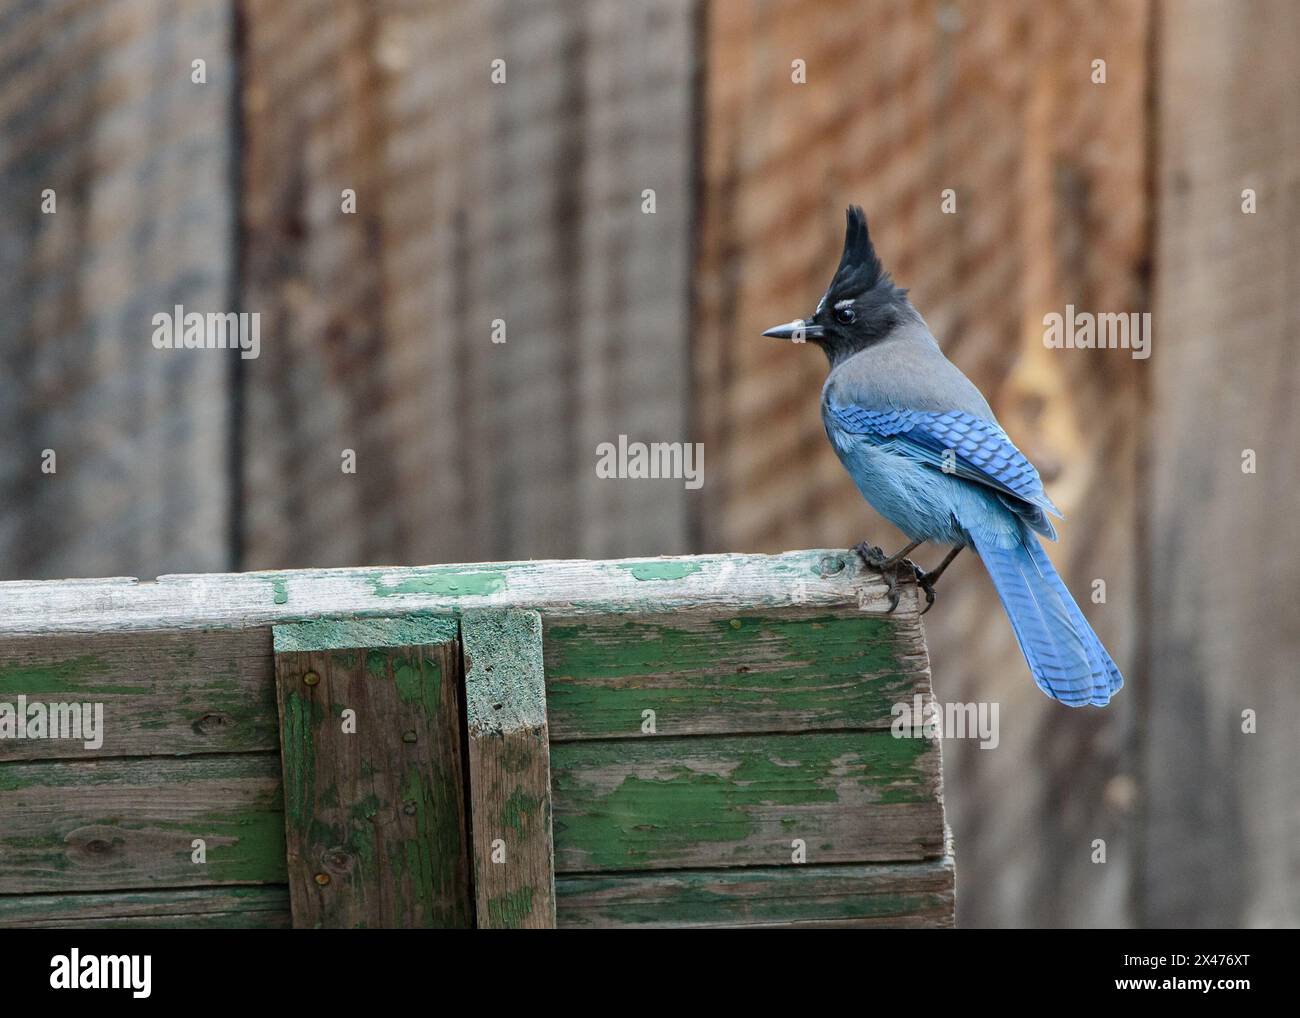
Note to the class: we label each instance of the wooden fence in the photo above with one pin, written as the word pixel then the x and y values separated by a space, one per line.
pixel 521 202
pixel 660 742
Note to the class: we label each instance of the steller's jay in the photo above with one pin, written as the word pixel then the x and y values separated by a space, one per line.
pixel 926 451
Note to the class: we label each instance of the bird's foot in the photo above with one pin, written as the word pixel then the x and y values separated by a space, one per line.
pixel 872 555
pixel 925 581
pixel 888 567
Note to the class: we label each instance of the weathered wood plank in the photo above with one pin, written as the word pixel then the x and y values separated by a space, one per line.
pixel 704 673
pixel 119 824
pixel 658 803
pixel 206 909
pixel 902 895
pixel 536 222
pixel 315 122
pixel 100 108
pixel 704 582
pixel 162 693
pixel 1219 814
pixel 374 815
pixel 509 769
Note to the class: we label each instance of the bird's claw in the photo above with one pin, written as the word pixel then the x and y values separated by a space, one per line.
pixel 927 585
pixel 872 555
pixel 888 568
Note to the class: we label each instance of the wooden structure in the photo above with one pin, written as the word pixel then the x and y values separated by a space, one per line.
pixel 654 742
pixel 522 201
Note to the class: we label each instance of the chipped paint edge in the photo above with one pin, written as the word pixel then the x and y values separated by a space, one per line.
pixel 814 578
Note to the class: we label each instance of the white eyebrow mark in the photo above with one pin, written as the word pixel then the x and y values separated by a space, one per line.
pixel 847 302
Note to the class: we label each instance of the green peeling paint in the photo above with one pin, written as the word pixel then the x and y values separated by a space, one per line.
pixel 419 680
pixel 443 583
pixel 256 845
pixel 71 677
pixel 280 592
pixel 146 812
pixel 352 634
pixel 518 810
pixel 432 859
pixel 668 569
pixel 508 911
pixel 754 895
pixel 634 804
pixel 301 715
pixel 822 671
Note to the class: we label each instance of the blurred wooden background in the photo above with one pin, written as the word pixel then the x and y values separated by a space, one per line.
pixel 521 201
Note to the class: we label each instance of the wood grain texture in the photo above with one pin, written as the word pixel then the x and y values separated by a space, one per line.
pixel 476 202
pixel 1220 813
pixel 709 801
pixel 509 769
pixel 114 825
pixel 98 105
pixel 801 670
pixel 162 693
pixel 575 588
pixel 215 908
pixel 374 818
pixel 901 896
pixel 315 123
pixel 1050 177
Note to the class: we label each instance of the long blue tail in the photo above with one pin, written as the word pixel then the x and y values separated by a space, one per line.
pixel 1067 660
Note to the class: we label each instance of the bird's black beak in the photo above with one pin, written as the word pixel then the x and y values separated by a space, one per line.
pixel 798 330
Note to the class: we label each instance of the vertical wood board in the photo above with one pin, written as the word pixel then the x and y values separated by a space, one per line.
pixel 1220 813
pixel 374 819
pixel 98 106
pixel 509 769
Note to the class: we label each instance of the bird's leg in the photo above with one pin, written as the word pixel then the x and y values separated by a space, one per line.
pixel 926 581
pixel 877 559
pixel 887 565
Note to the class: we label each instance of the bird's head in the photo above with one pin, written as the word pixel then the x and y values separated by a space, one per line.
pixel 860 307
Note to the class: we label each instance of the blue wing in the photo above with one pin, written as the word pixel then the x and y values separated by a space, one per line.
pixel 961 444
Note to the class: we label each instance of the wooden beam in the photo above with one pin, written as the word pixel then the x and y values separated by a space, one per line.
pixel 827 578
pixel 801 670
pixel 207 908
pixel 509 769
pixel 162 693
pixel 111 825
pixel 712 801
pixel 375 800
pixel 902 895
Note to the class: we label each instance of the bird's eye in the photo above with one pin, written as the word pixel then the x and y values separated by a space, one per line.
pixel 845 315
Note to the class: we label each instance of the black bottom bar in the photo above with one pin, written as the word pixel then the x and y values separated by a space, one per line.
pixel 340 969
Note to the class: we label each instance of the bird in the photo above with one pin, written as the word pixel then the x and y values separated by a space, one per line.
pixel 925 450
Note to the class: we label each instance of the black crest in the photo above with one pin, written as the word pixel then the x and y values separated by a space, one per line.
pixel 860 269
